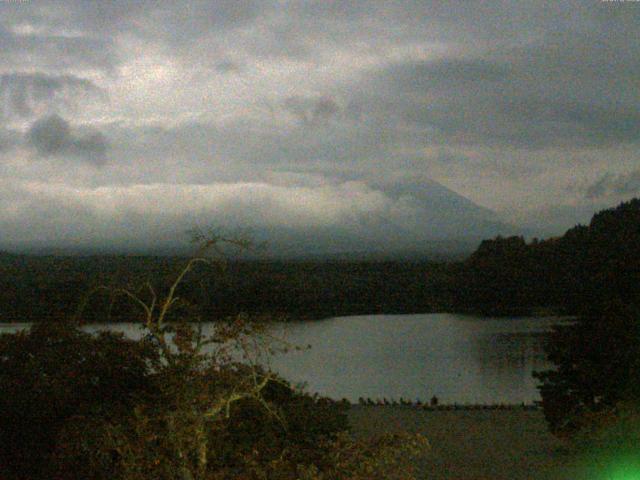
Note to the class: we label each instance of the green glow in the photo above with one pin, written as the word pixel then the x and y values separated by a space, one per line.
pixel 625 474
pixel 625 469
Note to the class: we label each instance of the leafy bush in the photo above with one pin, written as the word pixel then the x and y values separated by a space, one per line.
pixel 54 372
pixel 212 417
pixel 597 362
pixel 176 405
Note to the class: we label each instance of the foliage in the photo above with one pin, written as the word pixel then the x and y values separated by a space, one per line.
pixel 597 361
pixel 55 372
pixel 608 445
pixel 592 396
pixel 177 404
pixel 587 265
pixel 615 428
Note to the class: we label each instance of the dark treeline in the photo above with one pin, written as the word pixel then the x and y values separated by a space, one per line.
pixel 586 266
pixel 504 276
pixel 37 287
pixel 592 393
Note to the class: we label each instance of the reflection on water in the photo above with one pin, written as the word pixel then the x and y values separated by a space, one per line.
pixel 459 358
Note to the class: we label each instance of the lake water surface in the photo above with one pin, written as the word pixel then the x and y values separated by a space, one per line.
pixel 458 358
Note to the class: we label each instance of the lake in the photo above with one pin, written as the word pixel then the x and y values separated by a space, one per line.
pixel 458 358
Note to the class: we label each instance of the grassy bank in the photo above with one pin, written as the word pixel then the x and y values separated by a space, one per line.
pixel 476 444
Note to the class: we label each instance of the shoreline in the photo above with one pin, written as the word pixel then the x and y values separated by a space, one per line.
pixel 285 318
pixel 444 407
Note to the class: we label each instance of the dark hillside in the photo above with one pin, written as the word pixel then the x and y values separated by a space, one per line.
pixel 601 260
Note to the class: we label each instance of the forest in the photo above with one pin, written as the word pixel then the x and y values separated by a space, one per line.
pixel 504 276
pixel 587 265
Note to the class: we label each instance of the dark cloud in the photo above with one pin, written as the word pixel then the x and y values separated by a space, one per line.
pixel 243 151
pixel 53 136
pixel 55 52
pixel 600 187
pixel 228 66
pixel 7 139
pixel 50 135
pixel 202 17
pixel 420 77
pixel 25 94
pixel 518 103
pixel 178 26
pixel 614 185
pixel 312 111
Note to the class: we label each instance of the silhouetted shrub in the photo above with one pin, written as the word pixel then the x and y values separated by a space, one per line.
pixel 53 372
pixel 597 361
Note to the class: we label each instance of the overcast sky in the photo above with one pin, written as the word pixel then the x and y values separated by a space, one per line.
pixel 127 120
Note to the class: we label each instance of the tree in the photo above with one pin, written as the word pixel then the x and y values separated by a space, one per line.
pixel 597 361
pixel 201 406
pixel 54 372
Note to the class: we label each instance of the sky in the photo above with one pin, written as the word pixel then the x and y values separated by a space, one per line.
pixel 337 125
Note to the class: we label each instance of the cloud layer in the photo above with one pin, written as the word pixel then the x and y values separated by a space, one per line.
pixel 610 185
pixel 345 217
pixel 320 113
